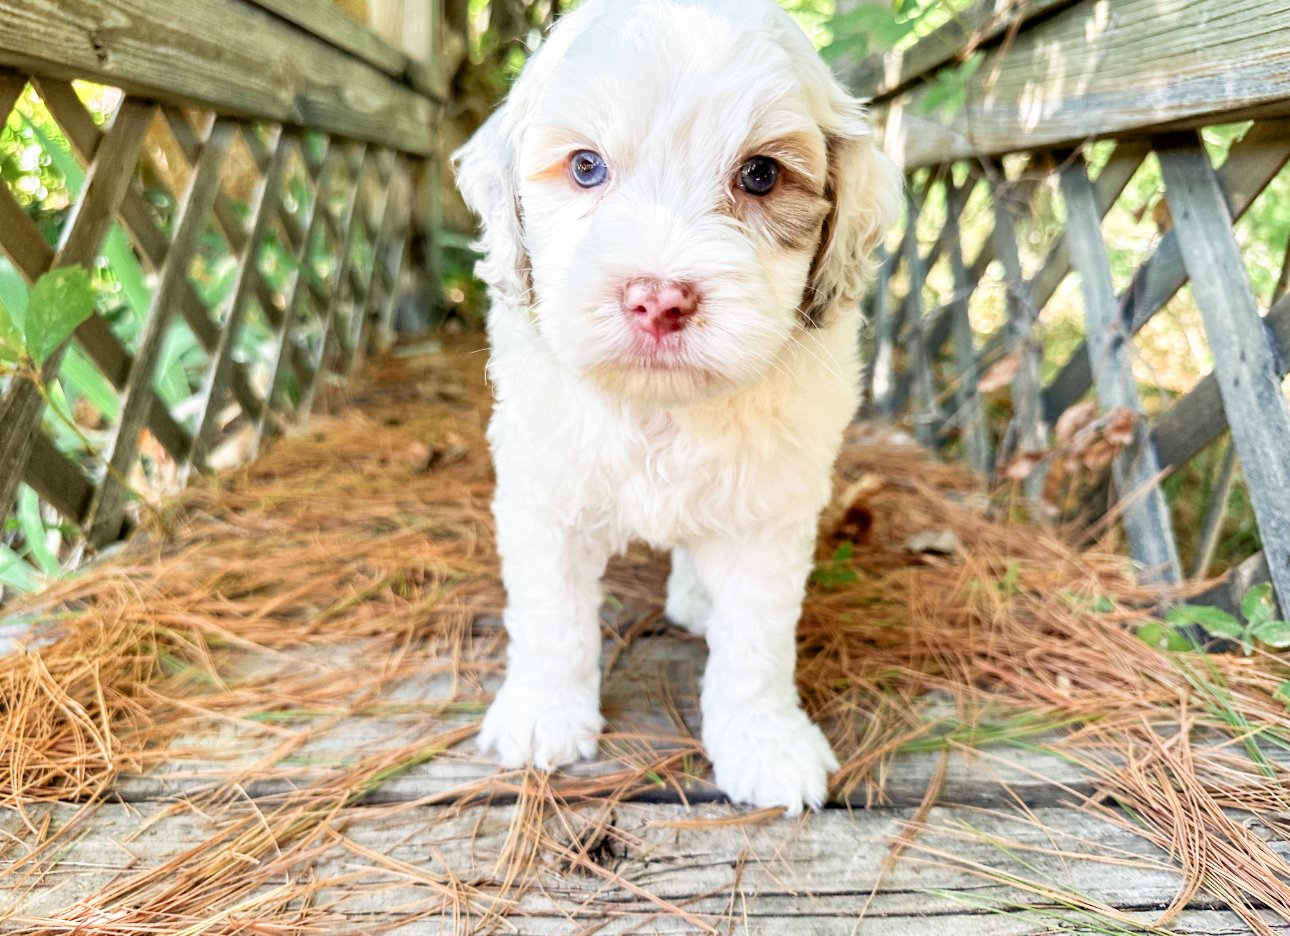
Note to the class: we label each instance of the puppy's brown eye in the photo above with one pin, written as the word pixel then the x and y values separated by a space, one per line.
pixel 758 175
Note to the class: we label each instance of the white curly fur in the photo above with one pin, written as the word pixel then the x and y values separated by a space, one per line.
pixel 720 450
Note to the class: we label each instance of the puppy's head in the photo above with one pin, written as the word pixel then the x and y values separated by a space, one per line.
pixel 672 189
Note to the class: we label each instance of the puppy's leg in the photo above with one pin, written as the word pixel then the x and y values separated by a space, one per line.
pixel 764 749
pixel 547 712
pixel 688 604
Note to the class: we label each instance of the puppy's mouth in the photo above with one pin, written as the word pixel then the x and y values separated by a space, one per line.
pixel 668 353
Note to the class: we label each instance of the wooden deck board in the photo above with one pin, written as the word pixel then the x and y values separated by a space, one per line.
pixel 781 876
pixel 655 668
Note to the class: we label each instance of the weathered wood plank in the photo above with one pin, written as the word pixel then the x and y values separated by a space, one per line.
pixel 1245 362
pixel 653 668
pixel 879 373
pixel 880 75
pixel 226 54
pixel 1097 70
pixel 1136 468
pixel 813 876
pixel 327 22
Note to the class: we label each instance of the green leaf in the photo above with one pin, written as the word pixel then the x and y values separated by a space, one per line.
pixel 84 378
pixel 1213 621
pixel 1282 693
pixel 15 573
pixel 1273 633
pixel 10 338
pixel 33 531
pixel 844 552
pixel 1257 606
pixel 1152 634
pixel 59 301
pixel 13 311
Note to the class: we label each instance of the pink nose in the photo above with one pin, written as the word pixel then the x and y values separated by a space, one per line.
pixel 659 309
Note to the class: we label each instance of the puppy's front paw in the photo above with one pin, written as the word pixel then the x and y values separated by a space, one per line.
pixel 547 729
pixel 777 758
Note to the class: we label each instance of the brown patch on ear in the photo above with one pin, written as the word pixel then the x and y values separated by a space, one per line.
pixel 815 303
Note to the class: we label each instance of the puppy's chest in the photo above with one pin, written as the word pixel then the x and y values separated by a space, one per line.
pixel 672 485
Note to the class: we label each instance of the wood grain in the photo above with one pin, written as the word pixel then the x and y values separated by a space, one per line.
pixel 772 877
pixel 1245 361
pixel 1098 69
pixel 230 55
pixel 1136 468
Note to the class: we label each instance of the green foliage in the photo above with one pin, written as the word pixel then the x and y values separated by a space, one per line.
pixel 837 571
pixel 33 325
pixel 1258 624
pixel 58 302
pixel 948 93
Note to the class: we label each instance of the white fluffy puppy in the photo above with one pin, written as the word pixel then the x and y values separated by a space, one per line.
pixel 678 200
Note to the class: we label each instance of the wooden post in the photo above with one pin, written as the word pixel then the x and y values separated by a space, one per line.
pixel 1136 468
pixel 1245 364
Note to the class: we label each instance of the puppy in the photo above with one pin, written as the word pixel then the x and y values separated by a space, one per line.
pixel 678 201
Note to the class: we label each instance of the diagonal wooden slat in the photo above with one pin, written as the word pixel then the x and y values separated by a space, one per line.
pixel 1245 362
pixel 1250 166
pixel 345 226
pixel 971 415
pixel 230 223
pixel 1198 419
pixel 151 244
pixel 286 350
pixel 1136 469
pixel 105 187
pixel 924 414
pixel 106 513
pixel 1111 182
pixel 51 475
pixel 879 378
pixel 1031 437
pixel 94 335
pixel 1211 525
pixel 367 278
pixel 217 374
pixel 11 85
pixel 21 239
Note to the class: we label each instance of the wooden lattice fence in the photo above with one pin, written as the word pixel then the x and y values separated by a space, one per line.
pixel 1044 150
pixel 279 135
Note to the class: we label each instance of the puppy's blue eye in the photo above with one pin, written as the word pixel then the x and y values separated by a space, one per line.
pixel 758 175
pixel 589 169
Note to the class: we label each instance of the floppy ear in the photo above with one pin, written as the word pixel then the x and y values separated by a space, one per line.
pixel 486 177
pixel 864 189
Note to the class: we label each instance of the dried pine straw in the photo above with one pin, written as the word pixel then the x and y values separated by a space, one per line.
pixel 356 557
